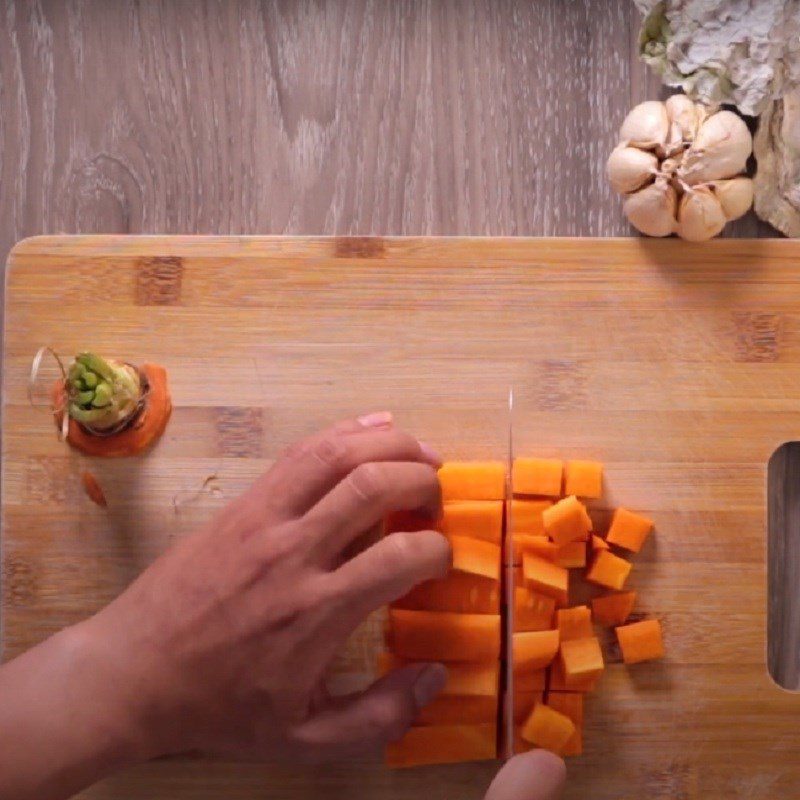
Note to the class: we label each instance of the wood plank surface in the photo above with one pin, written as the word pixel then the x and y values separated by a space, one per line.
pixel 674 364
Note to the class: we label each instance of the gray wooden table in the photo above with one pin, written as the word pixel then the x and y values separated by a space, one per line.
pixel 315 116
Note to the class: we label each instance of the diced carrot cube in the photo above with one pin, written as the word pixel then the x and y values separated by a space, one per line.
pixel 458 592
pixel 540 476
pixel 530 680
pixel 548 728
pixel 479 519
pixel 629 530
pixel 534 649
pixel 532 611
pixel 412 521
pixel 599 543
pixel 526 516
pixel 609 570
pixel 570 704
pixel 463 678
pixel 574 623
pixel 546 578
pixel 581 659
pixel 472 480
pixel 475 557
pixel 450 709
pixel 443 744
pixel 571 555
pixel 641 641
pixel 583 478
pixel 535 545
pixel 556 682
pixel 613 609
pixel 524 703
pixel 567 521
pixel 443 636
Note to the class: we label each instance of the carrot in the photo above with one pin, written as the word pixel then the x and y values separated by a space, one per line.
pixel 533 650
pixel 532 611
pixel 475 557
pixel 144 430
pixel 581 659
pixel 583 478
pixel 472 480
pixel 458 592
pixel 463 678
pixel 629 530
pixel 548 728
pixel 526 516
pixel 537 476
pixel 613 609
pixel 479 519
pixel 567 521
pixel 546 578
pixel 443 744
pixel 570 704
pixel 641 641
pixel 609 570
pixel 93 490
pixel 574 623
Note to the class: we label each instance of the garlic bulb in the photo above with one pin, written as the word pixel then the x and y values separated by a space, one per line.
pixel 700 215
pixel 679 166
pixel 646 125
pixel 735 196
pixel 721 149
pixel 630 168
pixel 652 209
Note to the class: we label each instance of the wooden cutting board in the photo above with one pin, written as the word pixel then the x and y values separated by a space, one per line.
pixel 676 365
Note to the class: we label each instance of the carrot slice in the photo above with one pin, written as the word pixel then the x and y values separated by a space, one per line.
pixel 443 744
pixel 526 516
pixel 609 570
pixel 583 478
pixel 475 557
pixel 613 609
pixel 443 636
pixel 535 545
pixel 641 641
pixel 570 704
pixel 556 682
pixel 94 490
pixel 534 649
pixel 581 659
pixel 572 555
pixel 479 519
pixel 629 530
pixel 537 476
pixel 463 678
pixel 532 611
pixel 548 728
pixel 546 578
pixel 524 703
pixel 451 709
pixel 472 480
pixel 459 592
pixel 574 623
pixel 599 543
pixel 567 521
pixel 143 432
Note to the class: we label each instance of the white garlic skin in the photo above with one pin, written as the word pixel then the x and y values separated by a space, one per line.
pixel 684 118
pixel 720 149
pixel 646 125
pixel 735 195
pixel 652 210
pixel 700 215
pixel 629 168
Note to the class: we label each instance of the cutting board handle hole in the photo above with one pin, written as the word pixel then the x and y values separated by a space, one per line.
pixel 783 566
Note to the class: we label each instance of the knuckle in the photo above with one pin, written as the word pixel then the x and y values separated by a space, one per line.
pixel 391 716
pixel 366 481
pixel 332 451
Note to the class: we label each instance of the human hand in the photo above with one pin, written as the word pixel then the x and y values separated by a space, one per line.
pixel 538 775
pixel 222 644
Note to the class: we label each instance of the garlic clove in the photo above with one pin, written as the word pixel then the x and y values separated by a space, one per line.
pixel 646 125
pixel 720 149
pixel 683 117
pixel 735 196
pixel 629 168
pixel 700 215
pixel 652 210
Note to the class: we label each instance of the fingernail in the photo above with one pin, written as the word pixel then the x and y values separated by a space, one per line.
pixel 429 683
pixel 380 419
pixel 429 453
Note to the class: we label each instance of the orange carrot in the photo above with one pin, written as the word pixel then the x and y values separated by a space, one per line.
pixel 629 530
pixel 572 555
pixel 570 704
pixel 532 611
pixel 526 516
pixel 609 570
pixel 613 609
pixel 93 490
pixel 533 650
pixel 567 521
pixel 641 641
pixel 546 578
pixel 479 519
pixel 476 557
pixel 458 592
pixel 451 709
pixel 443 744
pixel 463 678
pixel 583 478
pixel 472 480
pixel 581 659
pixel 537 476
pixel 144 430
pixel 574 623
pixel 548 728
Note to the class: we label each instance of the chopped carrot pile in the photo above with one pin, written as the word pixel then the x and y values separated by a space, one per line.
pixel 543 536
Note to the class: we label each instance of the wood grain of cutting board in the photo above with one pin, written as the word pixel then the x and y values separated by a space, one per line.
pixel 675 364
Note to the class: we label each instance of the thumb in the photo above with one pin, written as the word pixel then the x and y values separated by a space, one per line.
pixel 538 775
pixel 368 720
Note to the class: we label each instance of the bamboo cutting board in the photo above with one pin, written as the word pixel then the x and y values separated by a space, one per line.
pixel 676 365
